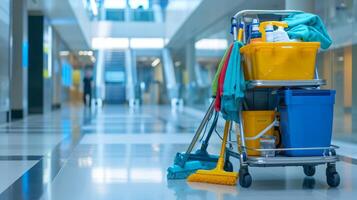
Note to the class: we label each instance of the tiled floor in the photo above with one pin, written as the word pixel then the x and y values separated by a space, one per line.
pixel 118 153
pixel 14 170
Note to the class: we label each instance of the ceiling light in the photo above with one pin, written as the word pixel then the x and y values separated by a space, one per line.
pixel 146 43
pixel 110 43
pixel 114 4
pixel 211 44
pixel 85 53
pixel 64 53
pixel 90 53
pixel 177 63
pixel 155 62
pixel 92 58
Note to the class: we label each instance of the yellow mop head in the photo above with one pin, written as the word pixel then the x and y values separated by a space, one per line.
pixel 217 175
pixel 214 176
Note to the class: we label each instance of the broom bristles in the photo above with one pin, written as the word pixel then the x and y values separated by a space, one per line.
pixel 215 177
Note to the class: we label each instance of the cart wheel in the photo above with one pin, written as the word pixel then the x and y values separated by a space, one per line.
pixel 245 179
pixel 228 166
pixel 333 179
pixel 309 170
pixel 332 176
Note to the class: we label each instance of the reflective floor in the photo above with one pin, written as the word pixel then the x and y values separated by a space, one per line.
pixel 118 153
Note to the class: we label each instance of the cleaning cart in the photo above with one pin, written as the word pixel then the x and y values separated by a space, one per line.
pixel 270 87
pixel 294 92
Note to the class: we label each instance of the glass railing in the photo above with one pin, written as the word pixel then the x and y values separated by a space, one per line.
pixel 142 15
pixel 128 15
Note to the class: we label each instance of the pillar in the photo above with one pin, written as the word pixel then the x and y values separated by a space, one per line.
pixel 190 61
pixel 56 72
pixel 169 73
pixel 131 79
pixel 304 5
pixel 19 60
pixel 40 64
pixel 354 86
pixel 4 60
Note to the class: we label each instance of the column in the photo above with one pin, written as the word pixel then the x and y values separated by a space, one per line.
pixel 4 60
pixel 19 51
pixel 354 86
pixel 190 61
pixel 56 72
pixel 304 5
pixel 169 73
pixel 99 77
pixel 40 65
pixel 130 71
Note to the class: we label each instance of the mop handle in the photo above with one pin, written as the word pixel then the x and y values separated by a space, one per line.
pixel 227 126
pixel 200 128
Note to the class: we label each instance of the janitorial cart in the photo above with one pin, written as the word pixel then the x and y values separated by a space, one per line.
pixel 268 84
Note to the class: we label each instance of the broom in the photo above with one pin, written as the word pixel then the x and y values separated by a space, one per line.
pixel 217 175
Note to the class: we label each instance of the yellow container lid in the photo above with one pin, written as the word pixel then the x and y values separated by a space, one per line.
pixel 280 44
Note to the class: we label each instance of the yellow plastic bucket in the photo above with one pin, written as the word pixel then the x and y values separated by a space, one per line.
pixel 253 123
pixel 279 60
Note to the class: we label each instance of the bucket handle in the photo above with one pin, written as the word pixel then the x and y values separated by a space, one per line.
pixel 262 132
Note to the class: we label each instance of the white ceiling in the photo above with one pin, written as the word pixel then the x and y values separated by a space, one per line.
pixel 64 21
pixel 212 16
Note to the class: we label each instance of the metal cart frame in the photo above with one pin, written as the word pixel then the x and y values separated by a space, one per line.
pixel 308 163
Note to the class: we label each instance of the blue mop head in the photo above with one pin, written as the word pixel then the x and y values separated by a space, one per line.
pixel 177 172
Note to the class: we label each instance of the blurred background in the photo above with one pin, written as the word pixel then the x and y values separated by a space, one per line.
pixel 146 52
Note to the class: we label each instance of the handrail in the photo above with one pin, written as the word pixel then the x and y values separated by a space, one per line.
pixel 257 12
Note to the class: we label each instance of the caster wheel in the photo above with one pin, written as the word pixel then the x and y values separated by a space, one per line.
pixel 245 179
pixel 309 170
pixel 228 166
pixel 330 169
pixel 333 179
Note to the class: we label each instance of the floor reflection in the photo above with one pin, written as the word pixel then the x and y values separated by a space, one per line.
pixel 309 183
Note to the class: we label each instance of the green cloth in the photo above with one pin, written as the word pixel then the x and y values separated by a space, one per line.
pixel 309 28
pixel 234 85
pixel 215 80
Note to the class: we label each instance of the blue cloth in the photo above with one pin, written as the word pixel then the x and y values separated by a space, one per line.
pixel 234 85
pixel 309 28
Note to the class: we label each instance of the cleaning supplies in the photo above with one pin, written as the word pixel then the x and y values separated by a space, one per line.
pixel 216 76
pixel 178 172
pixel 257 124
pixel 221 79
pixel 240 32
pixel 269 60
pixel 217 175
pixel 268 25
pixel 308 28
pixel 280 35
pixel 269 33
pixel 234 86
pixel 267 142
pixel 187 163
pixel 255 35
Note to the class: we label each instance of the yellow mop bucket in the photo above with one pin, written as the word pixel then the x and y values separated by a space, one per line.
pixel 253 123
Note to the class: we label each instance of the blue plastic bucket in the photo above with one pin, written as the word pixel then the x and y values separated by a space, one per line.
pixel 306 118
